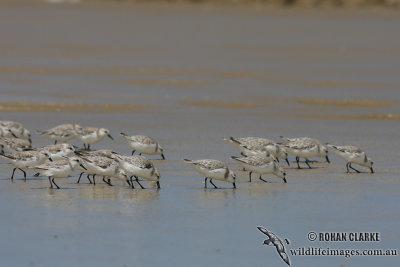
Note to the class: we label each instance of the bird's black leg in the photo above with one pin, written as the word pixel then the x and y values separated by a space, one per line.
pixel 263 179
pixel 137 181
pixel 140 154
pixel 308 164
pixel 80 175
pixel 133 152
pixel 213 183
pixel 347 167
pixel 107 182
pixel 357 171
pixel 298 165
pixel 372 170
pixel 250 176
pixel 51 184
pixel 55 142
pixel 55 183
pixel 205 182
pixel 88 147
pixel 24 173
pixel 90 181
pixel 163 157
pixel 277 159
pixel 12 176
pixel 131 182
pixel 287 161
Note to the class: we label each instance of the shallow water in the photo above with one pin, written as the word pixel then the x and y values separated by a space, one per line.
pixel 190 76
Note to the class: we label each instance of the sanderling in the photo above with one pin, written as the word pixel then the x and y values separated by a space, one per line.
pixel 213 169
pixel 306 149
pixel 58 169
pixel 261 165
pixel 144 144
pixel 106 153
pixel 257 146
pixel 91 135
pixel 12 144
pixel 139 166
pixel 25 159
pixel 352 154
pixel 15 129
pixel 98 165
pixel 59 151
pixel 63 132
pixel 56 152
pixel 308 140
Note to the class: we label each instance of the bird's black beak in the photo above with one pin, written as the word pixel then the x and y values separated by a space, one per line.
pixel 50 159
pixel 109 136
pixel 287 161
pixel 327 159
pixel 13 134
pixel 82 166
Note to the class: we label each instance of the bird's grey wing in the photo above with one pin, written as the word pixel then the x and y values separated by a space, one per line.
pixel 264 231
pixel 284 256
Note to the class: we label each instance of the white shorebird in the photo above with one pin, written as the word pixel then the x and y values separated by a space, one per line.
pixel 98 165
pixel 261 165
pixel 91 135
pixel 309 140
pixel 56 152
pixel 63 132
pixel 59 151
pixel 15 129
pixel 106 153
pixel 257 146
pixel 58 169
pixel 352 154
pixel 139 166
pixel 144 144
pixel 25 159
pixel 306 148
pixel 213 169
pixel 12 144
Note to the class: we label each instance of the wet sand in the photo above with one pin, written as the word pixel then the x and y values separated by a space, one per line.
pixel 190 76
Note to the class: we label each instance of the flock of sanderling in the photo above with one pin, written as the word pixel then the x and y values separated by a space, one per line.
pixel 260 156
